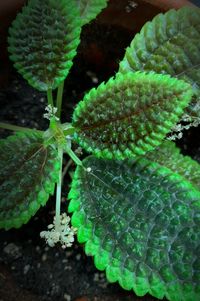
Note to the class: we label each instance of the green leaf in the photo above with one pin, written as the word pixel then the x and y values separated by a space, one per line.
pixel 167 154
pixel 89 9
pixel 28 173
pixel 169 44
pixel 43 41
pixel 141 222
pixel 129 115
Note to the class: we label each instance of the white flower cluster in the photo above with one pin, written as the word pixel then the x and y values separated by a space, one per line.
pixel 50 112
pixel 191 122
pixel 63 233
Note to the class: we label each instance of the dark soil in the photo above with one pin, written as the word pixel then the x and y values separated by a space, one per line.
pixel 29 269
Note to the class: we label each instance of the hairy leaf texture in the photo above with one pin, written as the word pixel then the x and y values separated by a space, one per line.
pixel 28 173
pixel 167 154
pixel 43 41
pixel 141 222
pixel 130 114
pixel 89 9
pixel 170 44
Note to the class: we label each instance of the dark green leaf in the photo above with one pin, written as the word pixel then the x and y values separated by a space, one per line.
pixel 141 222
pixel 130 114
pixel 167 154
pixel 89 9
pixel 43 41
pixel 169 44
pixel 28 173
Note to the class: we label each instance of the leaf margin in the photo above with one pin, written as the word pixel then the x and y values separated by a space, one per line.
pixel 113 274
pixel 43 192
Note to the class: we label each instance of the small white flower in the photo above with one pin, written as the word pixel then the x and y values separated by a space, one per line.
pixel 50 112
pixel 179 128
pixel 64 233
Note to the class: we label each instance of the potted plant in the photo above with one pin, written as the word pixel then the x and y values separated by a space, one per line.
pixel 123 123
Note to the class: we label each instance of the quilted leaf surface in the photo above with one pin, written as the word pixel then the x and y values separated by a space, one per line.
pixel 169 44
pixel 130 114
pixel 89 9
pixel 43 41
pixel 28 173
pixel 167 154
pixel 141 222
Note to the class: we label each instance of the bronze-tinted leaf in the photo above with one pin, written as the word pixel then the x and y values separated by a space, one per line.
pixel 43 41
pixel 130 114
pixel 28 173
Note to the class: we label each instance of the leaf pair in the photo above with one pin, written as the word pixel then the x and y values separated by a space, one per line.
pixel 45 36
pixel 139 218
pixel 118 120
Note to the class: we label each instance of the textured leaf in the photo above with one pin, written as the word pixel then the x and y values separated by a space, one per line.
pixel 43 41
pixel 169 44
pixel 28 172
pixel 141 222
pixel 130 114
pixel 167 154
pixel 89 9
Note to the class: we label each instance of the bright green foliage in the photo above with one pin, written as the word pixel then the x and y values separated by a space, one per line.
pixel 89 9
pixel 139 218
pixel 170 44
pixel 167 154
pixel 28 173
pixel 141 222
pixel 43 41
pixel 130 114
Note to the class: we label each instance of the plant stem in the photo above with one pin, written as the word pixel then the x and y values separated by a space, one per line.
pixel 59 190
pixel 50 97
pixel 65 170
pixel 74 156
pixel 59 99
pixel 16 128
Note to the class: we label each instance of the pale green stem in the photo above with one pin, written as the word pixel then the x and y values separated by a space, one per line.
pixel 16 128
pixel 50 97
pixel 59 99
pixel 59 190
pixel 65 170
pixel 74 157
